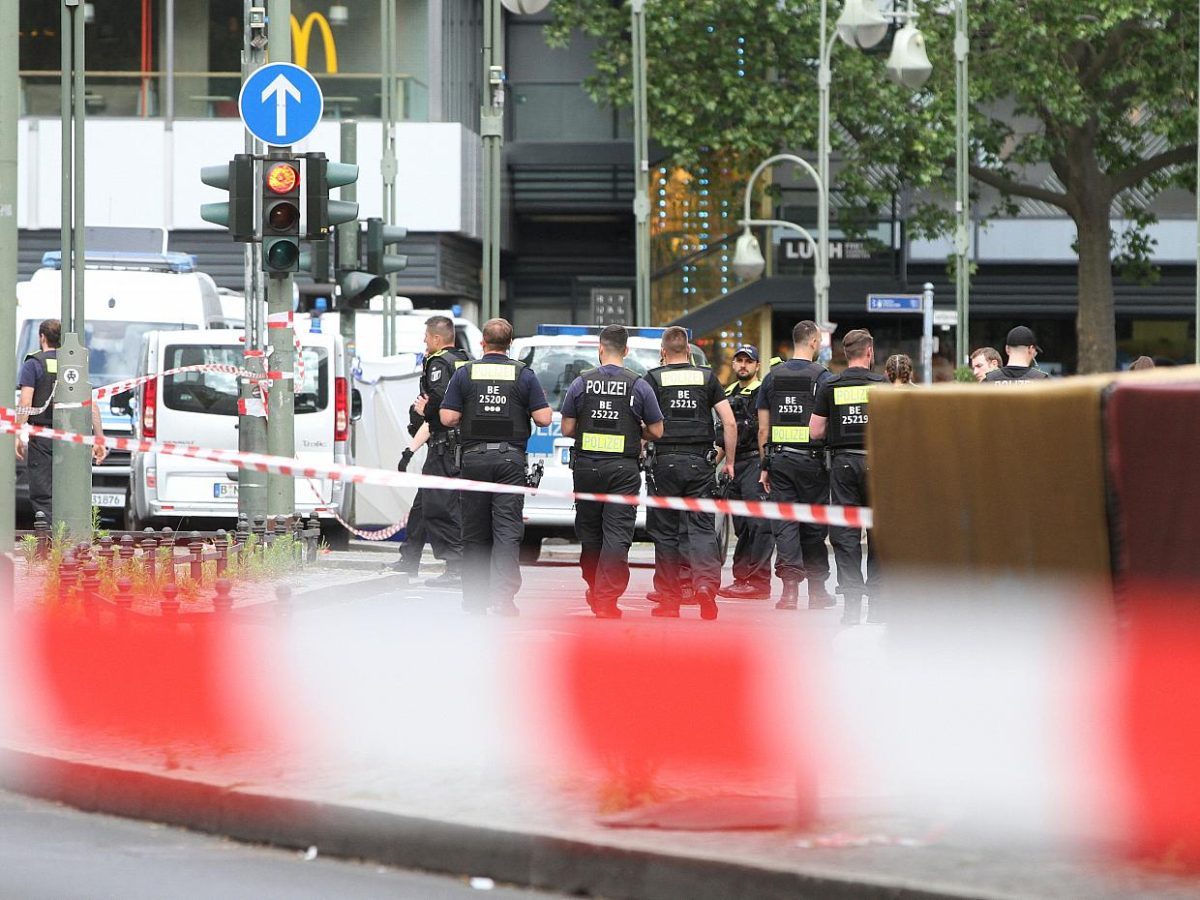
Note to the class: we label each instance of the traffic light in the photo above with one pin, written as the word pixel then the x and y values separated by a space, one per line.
pixel 237 213
pixel 355 287
pixel 379 237
pixel 324 213
pixel 281 225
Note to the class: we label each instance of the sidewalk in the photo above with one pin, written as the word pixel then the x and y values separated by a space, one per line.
pixel 521 828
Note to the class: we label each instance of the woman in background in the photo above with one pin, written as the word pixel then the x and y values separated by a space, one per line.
pixel 899 369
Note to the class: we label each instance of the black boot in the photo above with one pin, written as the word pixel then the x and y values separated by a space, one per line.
pixel 791 596
pixel 818 597
pixel 852 613
pixel 876 611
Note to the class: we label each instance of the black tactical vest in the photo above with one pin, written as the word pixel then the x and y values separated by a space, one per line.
pixel 607 426
pixel 436 373
pixel 1014 375
pixel 790 400
pixel 687 413
pixel 849 406
pixel 44 389
pixel 493 409
pixel 743 402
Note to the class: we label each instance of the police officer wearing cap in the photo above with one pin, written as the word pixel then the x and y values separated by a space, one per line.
pixel 841 419
pixel 609 411
pixel 1022 348
pixel 688 395
pixel 441 511
pixel 755 543
pixel 36 380
pixel 793 466
pixel 491 401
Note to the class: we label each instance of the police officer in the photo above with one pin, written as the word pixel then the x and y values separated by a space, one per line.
pixel 608 410
pixel 841 418
pixel 37 378
pixel 440 511
pixel 688 396
pixel 755 543
pixel 793 466
pixel 491 400
pixel 1022 348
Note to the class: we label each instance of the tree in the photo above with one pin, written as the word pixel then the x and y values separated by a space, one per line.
pixel 1104 95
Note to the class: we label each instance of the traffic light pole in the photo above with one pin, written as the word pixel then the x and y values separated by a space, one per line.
pixel 491 129
pixel 72 490
pixel 281 431
pixel 347 244
pixel 252 429
pixel 9 112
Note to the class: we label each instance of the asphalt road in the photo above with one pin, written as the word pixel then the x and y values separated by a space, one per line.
pixel 51 851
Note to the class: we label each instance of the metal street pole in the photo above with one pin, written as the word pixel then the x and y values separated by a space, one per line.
pixel 252 430
pixel 347 258
pixel 10 88
pixel 72 478
pixel 824 78
pixel 491 130
pixel 281 431
pixel 962 199
pixel 388 165
pixel 927 334
pixel 641 163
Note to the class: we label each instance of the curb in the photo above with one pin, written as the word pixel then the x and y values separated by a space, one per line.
pixel 537 861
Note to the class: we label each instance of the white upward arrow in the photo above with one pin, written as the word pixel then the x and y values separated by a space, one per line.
pixel 281 88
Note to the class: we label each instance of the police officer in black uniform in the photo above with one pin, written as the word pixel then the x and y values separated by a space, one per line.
pixel 793 466
pixel 688 396
pixel 36 380
pixel 441 511
pixel 755 543
pixel 608 410
pixel 491 400
pixel 1022 348
pixel 841 418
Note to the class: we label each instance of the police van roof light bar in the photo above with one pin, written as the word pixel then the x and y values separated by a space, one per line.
pixel 178 263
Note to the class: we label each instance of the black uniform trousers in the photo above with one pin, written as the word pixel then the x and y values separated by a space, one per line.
pixel 414 534
pixel 39 466
pixel 800 546
pixel 755 542
pixel 683 475
pixel 492 528
pixel 848 485
pixel 442 510
pixel 605 530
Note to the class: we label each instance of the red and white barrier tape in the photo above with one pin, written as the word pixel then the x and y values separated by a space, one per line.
pixel 845 516
pixel 381 534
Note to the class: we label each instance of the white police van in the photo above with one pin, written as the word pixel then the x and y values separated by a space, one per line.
pixel 126 294
pixel 557 354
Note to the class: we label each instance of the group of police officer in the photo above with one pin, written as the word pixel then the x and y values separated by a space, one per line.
pixel 798 435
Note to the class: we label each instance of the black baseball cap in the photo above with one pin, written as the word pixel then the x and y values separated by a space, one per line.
pixel 747 350
pixel 1022 336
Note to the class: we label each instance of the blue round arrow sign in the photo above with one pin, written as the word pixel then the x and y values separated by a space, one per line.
pixel 281 104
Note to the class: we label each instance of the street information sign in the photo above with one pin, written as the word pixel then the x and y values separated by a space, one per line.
pixel 894 303
pixel 281 104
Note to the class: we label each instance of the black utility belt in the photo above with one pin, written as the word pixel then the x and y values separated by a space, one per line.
pixel 799 451
pixel 853 451
pixel 502 446
pixel 683 449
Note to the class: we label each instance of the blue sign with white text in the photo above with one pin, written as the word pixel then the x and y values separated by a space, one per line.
pixel 281 104
pixel 894 303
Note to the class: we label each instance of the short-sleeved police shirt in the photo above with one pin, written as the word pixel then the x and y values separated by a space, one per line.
pixel 31 372
pixel 644 403
pixel 529 389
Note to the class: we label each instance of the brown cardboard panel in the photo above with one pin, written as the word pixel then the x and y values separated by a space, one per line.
pixel 1153 439
pixel 1005 481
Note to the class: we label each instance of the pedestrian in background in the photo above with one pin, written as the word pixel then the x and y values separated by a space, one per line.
pixel 1022 348
pixel 491 401
pixel 608 411
pixel 793 466
pixel 755 543
pixel 899 369
pixel 984 360
pixel 841 419
pixel 688 396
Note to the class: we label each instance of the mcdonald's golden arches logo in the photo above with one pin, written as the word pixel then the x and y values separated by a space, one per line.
pixel 302 37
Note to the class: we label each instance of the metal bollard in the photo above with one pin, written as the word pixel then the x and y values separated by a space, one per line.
pixel 169 604
pixel 106 552
pixel 66 575
pixel 222 548
pixel 168 543
pixel 150 555
pixel 127 549
pixel 124 593
pixel 196 551
pixel 83 552
pixel 314 536
pixel 41 531
pixel 91 582
pixel 223 602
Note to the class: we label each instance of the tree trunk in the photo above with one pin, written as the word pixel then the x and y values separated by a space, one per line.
pixel 1096 323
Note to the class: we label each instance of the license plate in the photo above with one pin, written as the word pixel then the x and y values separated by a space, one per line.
pixel 225 489
pixel 108 500
pixel 564 455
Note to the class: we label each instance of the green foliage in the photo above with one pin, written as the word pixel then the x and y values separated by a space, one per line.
pixel 964 374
